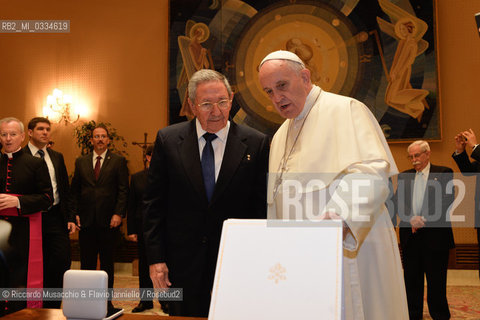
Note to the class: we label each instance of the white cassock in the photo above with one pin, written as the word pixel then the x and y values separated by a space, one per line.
pixel 341 162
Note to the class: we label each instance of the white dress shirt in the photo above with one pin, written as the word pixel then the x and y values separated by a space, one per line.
pixel 95 155
pixel 51 170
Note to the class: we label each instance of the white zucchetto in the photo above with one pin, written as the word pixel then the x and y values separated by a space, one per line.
pixel 282 55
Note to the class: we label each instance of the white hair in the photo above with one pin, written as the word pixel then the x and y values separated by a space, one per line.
pixel 12 119
pixel 424 146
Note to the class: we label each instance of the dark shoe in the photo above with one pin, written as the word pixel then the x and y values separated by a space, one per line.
pixel 164 306
pixel 142 306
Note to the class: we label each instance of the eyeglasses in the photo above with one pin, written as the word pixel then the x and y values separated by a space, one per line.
pixel 415 156
pixel 222 104
pixel 100 136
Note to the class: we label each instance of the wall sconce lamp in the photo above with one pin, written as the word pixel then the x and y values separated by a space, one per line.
pixel 59 108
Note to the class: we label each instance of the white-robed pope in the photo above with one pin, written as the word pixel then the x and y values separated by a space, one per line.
pixel 330 159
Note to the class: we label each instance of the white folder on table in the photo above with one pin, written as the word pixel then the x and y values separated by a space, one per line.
pixel 278 270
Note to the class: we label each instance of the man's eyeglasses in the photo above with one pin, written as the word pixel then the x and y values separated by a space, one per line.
pixel 415 156
pixel 222 104
pixel 100 136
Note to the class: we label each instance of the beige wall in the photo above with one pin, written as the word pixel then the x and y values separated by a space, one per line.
pixel 115 61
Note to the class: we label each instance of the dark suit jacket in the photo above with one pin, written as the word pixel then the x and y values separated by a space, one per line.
pixel 138 183
pixel 437 232
pixel 469 168
pixel 61 176
pixel 97 201
pixel 30 179
pixel 181 227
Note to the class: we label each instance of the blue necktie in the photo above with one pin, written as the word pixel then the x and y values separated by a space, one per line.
pixel 208 164
pixel 418 193
pixel 41 153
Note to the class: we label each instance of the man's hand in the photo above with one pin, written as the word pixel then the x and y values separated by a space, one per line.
pixel 77 217
pixel 115 221
pixel 8 201
pixel 72 227
pixel 417 222
pixel 460 143
pixel 470 136
pixel 133 237
pixel 159 275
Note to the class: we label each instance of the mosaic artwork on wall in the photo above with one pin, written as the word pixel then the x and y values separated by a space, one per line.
pixel 381 52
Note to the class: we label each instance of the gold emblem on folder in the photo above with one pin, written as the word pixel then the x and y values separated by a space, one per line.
pixel 277 273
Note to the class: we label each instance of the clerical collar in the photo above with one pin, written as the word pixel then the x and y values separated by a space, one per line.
pixel 309 102
pixel 11 155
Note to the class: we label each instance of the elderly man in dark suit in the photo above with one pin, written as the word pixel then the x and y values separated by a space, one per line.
pixel 56 244
pixel 24 185
pixel 203 172
pixel 422 200
pixel 470 168
pixel 99 194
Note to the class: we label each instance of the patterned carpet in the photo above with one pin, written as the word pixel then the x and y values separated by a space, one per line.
pixel 464 301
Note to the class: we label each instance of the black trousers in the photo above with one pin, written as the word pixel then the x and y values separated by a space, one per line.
pixel 194 304
pixel 196 295
pixel 420 261
pixel 56 251
pixel 144 280
pixel 101 241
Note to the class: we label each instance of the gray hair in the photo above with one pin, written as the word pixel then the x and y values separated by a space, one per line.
pixel 295 66
pixel 12 119
pixel 424 146
pixel 205 75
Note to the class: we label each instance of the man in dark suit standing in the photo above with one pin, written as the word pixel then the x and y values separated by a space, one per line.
pixel 422 200
pixel 470 168
pixel 56 243
pixel 99 194
pixel 24 186
pixel 203 172
pixel 135 212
